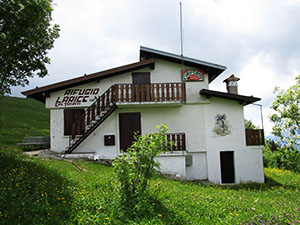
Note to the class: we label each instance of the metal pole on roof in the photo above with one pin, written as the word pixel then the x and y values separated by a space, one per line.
pixel 181 35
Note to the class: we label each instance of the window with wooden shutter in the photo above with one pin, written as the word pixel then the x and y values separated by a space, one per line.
pixel 70 116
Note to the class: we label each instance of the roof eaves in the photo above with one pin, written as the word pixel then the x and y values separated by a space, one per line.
pixel 244 100
pixel 90 77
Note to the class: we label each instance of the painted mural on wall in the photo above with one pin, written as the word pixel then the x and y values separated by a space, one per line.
pixel 77 97
pixel 222 126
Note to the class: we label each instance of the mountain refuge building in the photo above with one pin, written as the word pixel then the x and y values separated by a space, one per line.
pixel 96 115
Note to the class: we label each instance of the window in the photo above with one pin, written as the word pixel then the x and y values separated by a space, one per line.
pixel 70 116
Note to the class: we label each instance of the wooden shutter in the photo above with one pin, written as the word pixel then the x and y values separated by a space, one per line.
pixel 70 116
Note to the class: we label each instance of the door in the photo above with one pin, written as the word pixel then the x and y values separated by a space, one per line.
pixel 227 167
pixel 129 124
pixel 140 82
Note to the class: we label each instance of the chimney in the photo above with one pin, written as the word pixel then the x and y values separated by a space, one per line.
pixel 231 84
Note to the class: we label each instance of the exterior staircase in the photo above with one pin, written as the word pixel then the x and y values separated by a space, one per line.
pixel 94 115
pixel 106 104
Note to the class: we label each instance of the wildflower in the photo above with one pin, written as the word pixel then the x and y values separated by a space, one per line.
pixel 107 218
pixel 159 215
pixel 79 220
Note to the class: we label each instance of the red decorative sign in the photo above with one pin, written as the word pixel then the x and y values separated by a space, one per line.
pixel 192 75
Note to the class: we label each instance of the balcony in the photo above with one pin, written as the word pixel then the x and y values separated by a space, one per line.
pixel 150 93
pixel 255 137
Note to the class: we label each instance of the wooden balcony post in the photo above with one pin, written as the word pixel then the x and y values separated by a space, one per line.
pixel 147 92
pixel 162 92
pixel 174 142
pixel 142 92
pixel 183 142
pixel 107 97
pixel 172 92
pixel 122 92
pixel 117 92
pixel 183 93
pixel 178 137
pixel 152 92
pixel 177 92
pixel 137 92
pixel 88 119
pixel 127 92
pixel 98 106
pixel 158 99
pixel 103 102
pixel 93 112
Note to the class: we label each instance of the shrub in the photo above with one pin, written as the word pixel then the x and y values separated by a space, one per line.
pixel 134 168
pixel 277 156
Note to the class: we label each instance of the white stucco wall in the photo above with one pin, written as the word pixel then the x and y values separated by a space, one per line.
pixel 196 118
pixel 244 160
pixel 172 164
pixel 164 72
pixel 58 141
pixel 95 142
pixel 249 165
pixel 198 169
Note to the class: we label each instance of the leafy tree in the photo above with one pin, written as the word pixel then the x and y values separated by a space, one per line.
pixel 134 168
pixel 26 34
pixel 286 118
pixel 249 125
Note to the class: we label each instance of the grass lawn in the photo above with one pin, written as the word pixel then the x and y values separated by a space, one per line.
pixel 20 117
pixel 43 191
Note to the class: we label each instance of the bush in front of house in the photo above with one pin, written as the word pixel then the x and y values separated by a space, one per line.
pixel 134 168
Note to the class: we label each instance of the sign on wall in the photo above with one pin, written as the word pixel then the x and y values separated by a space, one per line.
pixel 77 97
pixel 192 75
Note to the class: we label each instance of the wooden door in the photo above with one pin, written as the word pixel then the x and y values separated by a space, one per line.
pixel 129 124
pixel 140 82
pixel 227 167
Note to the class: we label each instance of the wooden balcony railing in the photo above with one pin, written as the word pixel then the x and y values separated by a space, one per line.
pixel 156 92
pixel 255 137
pixel 179 141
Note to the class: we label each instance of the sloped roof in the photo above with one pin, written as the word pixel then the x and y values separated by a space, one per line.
pixel 244 100
pixel 42 92
pixel 213 70
pixel 147 59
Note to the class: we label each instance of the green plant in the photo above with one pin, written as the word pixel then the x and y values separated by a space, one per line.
pixel 249 125
pixel 134 168
pixel 27 34
pixel 286 113
pixel 277 156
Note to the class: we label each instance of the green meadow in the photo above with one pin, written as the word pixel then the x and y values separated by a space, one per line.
pixel 44 191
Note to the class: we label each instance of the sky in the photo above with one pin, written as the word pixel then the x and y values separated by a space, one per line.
pixel 257 40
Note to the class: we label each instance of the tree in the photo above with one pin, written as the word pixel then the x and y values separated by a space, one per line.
pixel 249 125
pixel 26 34
pixel 134 168
pixel 286 118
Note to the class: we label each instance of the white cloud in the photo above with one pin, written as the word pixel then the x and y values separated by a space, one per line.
pixel 257 40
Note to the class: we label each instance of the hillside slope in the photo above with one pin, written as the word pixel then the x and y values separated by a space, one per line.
pixel 20 117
